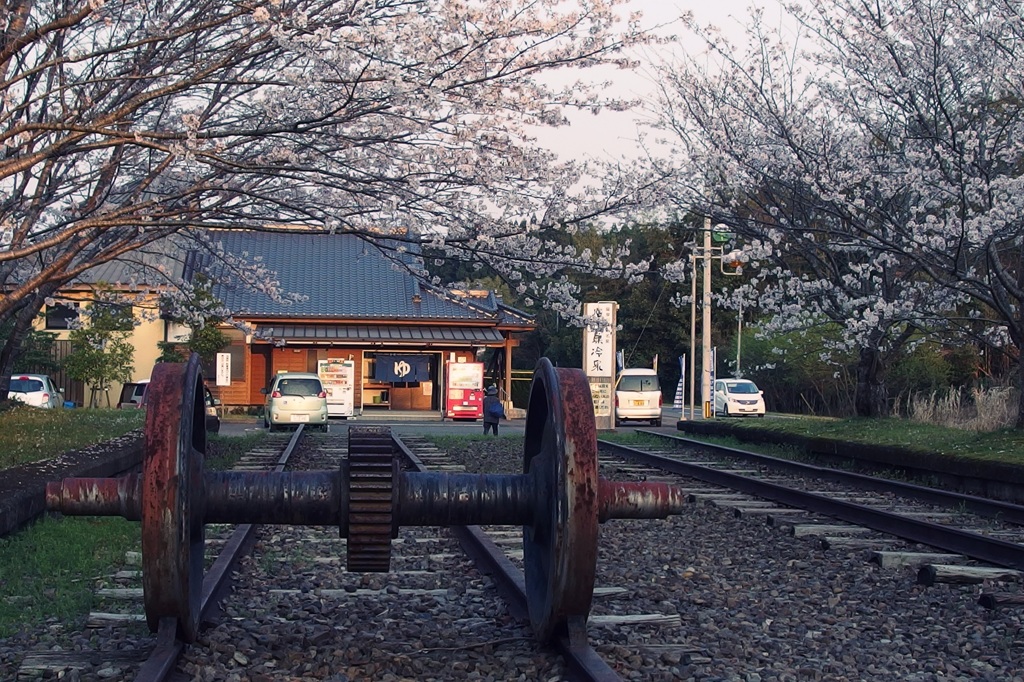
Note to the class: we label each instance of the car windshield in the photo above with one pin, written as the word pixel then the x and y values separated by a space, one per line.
pixel 26 385
pixel 632 382
pixel 741 388
pixel 130 391
pixel 299 386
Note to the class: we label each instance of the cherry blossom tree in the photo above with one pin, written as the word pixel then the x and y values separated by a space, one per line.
pixel 873 160
pixel 124 122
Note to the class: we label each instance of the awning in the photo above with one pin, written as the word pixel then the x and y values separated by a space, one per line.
pixel 399 368
pixel 396 334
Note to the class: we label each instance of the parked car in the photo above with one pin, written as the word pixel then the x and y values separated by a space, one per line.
pixel 295 398
pixel 638 396
pixel 133 395
pixel 212 418
pixel 738 397
pixel 37 390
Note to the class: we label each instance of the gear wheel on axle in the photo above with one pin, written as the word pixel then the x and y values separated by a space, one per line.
pixel 371 475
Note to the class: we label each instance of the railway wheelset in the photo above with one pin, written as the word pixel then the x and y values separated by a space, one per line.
pixel 559 499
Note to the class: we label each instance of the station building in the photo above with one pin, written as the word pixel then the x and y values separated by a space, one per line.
pixel 344 299
pixel 349 299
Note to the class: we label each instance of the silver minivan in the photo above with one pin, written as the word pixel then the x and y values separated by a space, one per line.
pixel 638 396
pixel 295 398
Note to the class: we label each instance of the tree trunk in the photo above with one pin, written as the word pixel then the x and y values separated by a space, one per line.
pixel 872 397
pixel 1020 392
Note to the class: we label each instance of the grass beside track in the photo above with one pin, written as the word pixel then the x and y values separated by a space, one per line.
pixel 49 571
pixel 29 434
pixel 1004 445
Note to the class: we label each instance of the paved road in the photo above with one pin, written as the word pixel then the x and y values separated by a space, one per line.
pixel 413 426
pixel 431 424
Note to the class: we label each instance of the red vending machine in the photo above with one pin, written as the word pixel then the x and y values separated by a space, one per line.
pixel 464 398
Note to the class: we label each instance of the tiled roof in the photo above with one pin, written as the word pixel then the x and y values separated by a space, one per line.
pixel 340 276
pixel 156 264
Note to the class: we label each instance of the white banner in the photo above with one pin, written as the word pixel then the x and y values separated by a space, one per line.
pixel 599 339
pixel 223 369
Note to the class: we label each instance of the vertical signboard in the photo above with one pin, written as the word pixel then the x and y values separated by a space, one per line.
pixel 338 377
pixel 223 369
pixel 599 358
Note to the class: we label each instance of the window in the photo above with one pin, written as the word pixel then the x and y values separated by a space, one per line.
pixel 61 316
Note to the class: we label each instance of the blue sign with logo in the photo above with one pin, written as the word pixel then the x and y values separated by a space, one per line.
pixel 394 369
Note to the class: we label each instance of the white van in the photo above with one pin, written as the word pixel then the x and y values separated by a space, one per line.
pixel 638 396
pixel 738 397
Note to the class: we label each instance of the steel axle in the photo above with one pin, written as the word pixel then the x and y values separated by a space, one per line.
pixel 320 498
pixel 559 499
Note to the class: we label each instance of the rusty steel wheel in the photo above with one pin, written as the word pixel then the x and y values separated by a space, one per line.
pixel 173 497
pixel 560 456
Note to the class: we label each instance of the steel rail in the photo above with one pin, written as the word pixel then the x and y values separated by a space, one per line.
pixel 168 648
pixel 996 509
pixel 999 552
pixel 584 663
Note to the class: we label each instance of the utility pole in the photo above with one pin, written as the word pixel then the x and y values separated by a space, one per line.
pixel 692 369
pixel 703 249
pixel 706 324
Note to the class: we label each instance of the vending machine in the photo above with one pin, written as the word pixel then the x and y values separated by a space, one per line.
pixel 338 378
pixel 464 397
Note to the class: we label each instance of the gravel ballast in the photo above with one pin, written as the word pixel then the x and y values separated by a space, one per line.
pixel 753 604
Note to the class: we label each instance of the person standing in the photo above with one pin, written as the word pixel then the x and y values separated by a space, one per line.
pixel 494 411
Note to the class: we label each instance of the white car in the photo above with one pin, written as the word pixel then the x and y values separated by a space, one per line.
pixel 638 396
pixel 133 395
pixel 295 398
pixel 738 397
pixel 36 390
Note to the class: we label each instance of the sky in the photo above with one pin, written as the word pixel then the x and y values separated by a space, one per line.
pixel 613 135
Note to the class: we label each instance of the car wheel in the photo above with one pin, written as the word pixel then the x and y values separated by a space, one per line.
pixel 655 422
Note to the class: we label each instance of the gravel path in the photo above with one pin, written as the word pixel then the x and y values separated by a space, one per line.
pixel 754 604
pixel 761 605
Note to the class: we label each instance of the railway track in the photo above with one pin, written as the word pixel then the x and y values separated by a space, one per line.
pixel 713 592
pixel 717 592
pixel 943 534
pixel 120 647
pixel 298 613
pixel 704 594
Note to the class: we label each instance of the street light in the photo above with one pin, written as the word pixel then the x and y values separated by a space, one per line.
pixel 707 253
